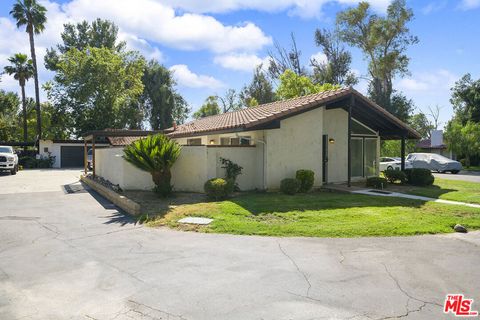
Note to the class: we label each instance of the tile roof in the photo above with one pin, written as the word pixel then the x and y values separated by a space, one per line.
pixel 427 144
pixel 249 117
pixel 123 141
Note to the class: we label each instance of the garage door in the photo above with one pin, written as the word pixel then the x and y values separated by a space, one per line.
pixel 71 157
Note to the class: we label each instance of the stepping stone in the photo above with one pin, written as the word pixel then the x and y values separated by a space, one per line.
pixel 196 220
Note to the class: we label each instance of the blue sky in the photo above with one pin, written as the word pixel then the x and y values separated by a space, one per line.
pixel 214 45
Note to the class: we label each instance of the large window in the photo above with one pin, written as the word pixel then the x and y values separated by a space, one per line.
pixel 357 157
pixel 364 156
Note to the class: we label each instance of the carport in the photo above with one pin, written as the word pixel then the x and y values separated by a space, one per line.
pixel 90 138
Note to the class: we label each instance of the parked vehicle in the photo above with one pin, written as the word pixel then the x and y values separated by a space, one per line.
pixel 8 159
pixel 89 159
pixel 434 162
pixel 393 163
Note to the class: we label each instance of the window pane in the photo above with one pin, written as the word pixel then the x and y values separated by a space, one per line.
pixel 235 141
pixel 370 157
pixel 224 141
pixel 357 157
pixel 194 142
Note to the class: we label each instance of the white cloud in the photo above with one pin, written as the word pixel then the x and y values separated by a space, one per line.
pixel 303 8
pixel 428 81
pixel 241 61
pixel 320 57
pixel 154 21
pixel 469 4
pixel 185 77
pixel 434 6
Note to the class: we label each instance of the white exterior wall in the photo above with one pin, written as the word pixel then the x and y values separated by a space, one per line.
pixel 297 144
pixel 189 172
pixel 335 125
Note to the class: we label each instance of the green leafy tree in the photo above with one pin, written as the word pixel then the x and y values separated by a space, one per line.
pixel 9 105
pixel 162 102
pixel 292 86
pixel 259 91
pixel 98 34
pixel 155 154
pixel 400 106
pixel 32 15
pixel 230 101
pixel 96 87
pixel 336 69
pixel 466 99
pixel 22 70
pixel 384 42
pixel 463 139
pixel 209 108
pixel 420 123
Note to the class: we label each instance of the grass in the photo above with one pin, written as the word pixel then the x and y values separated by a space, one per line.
pixel 455 190
pixel 471 168
pixel 322 214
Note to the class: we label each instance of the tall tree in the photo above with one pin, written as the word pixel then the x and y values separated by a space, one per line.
pixel 209 108
pixel 97 86
pixel 282 59
pixel 434 113
pixel 163 104
pixel 466 99
pixel 9 104
pixel 230 101
pixel 336 69
pixel 22 70
pixel 463 139
pixel 99 34
pixel 384 42
pixel 292 86
pixel 259 91
pixel 31 14
pixel 420 123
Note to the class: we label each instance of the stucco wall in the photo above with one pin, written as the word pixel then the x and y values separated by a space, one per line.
pixel 335 125
pixel 297 144
pixel 189 172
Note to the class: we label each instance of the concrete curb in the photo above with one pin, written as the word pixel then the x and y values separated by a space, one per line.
pixel 128 205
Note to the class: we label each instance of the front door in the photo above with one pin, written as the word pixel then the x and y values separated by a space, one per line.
pixel 325 158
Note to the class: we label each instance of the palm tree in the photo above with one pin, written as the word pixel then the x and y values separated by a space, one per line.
pixel 22 70
pixel 155 154
pixel 31 14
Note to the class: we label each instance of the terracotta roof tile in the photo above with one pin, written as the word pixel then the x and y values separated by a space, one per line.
pixel 123 141
pixel 249 117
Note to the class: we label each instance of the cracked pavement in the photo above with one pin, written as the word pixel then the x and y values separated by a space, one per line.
pixel 75 256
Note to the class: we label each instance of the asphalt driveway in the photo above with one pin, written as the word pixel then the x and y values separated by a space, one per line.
pixel 66 253
pixel 472 176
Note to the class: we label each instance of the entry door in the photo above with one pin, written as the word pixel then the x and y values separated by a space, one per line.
pixel 370 157
pixel 325 158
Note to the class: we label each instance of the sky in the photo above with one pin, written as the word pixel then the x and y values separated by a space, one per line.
pixel 215 45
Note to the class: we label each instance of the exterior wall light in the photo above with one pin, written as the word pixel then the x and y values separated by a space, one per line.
pixel 331 141
pixel 212 141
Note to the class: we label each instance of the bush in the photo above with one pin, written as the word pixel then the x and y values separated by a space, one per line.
pixel 419 177
pixel 232 171
pixel 289 186
pixel 395 175
pixel 218 188
pixel 32 163
pixel 377 182
pixel 306 178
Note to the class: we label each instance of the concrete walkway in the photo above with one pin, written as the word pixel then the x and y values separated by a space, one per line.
pixel 371 192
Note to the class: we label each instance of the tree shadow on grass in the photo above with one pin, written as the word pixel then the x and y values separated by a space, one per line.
pixel 432 191
pixel 267 203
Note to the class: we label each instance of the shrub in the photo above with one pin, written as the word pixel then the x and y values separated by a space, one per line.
pixel 377 182
pixel 289 186
pixel 232 171
pixel 32 162
pixel 306 178
pixel 395 175
pixel 419 177
pixel 218 188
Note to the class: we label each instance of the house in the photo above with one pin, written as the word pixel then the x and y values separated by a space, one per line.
pixel 435 145
pixel 66 153
pixel 334 133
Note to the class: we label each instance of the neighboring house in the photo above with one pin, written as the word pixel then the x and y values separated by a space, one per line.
pixel 272 141
pixel 435 145
pixel 67 153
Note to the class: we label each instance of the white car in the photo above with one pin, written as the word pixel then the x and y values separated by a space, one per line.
pixel 8 159
pixel 434 162
pixel 393 163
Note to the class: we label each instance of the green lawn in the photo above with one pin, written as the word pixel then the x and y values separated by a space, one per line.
pixel 472 168
pixel 323 214
pixel 446 189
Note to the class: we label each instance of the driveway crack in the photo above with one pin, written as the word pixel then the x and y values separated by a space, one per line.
pixel 309 285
